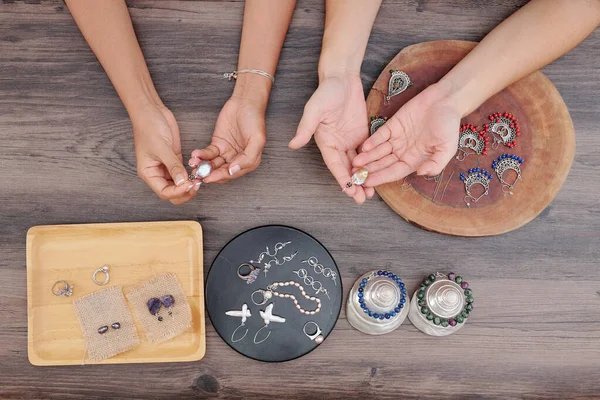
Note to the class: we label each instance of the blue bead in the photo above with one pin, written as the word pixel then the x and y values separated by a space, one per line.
pixel 361 289
pixel 365 280
pixel 403 290
pixel 381 316
pixel 366 310
pixel 402 285
pixel 360 295
pixel 462 178
pixel 394 277
pixel 402 301
pixel 397 309
pixel 375 315
pixel 370 314
pixel 379 272
pixel 393 313
pixel 362 284
pixel 387 316
pixel 401 305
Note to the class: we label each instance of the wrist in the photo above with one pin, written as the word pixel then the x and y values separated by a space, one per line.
pixel 252 89
pixel 337 64
pixel 138 101
pixel 455 96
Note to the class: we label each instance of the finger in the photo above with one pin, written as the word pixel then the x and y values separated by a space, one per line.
pixel 360 196
pixel 334 161
pixel 370 192
pixel 372 155
pixel 218 175
pixel 307 126
pixel 249 158
pixel 174 165
pixel 188 196
pixel 382 135
pixel 207 153
pixel 165 189
pixel 437 162
pixel 392 173
pixel 382 163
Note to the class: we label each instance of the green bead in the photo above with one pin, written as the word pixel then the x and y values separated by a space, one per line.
pixel 468 292
pixel 420 294
pixel 465 314
pixel 458 279
pixel 421 303
pixel 445 323
pixel 427 282
pixel 424 310
pixel 437 320
pixel 391 70
pixel 431 277
pixel 422 286
pixel 429 316
pixel 372 118
pixel 459 319
pixel 470 299
pixel 469 307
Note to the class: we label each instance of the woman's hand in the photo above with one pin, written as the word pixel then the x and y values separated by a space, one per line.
pixel 422 136
pixel 336 115
pixel 158 154
pixel 237 142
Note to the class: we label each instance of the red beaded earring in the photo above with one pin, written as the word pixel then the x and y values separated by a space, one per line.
pixel 505 129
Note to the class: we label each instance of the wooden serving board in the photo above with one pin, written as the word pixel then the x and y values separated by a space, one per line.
pixel 547 144
pixel 135 252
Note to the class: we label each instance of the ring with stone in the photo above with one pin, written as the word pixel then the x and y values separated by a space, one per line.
pixel 103 270
pixel 317 335
pixel 67 290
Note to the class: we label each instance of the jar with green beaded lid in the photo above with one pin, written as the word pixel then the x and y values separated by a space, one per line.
pixel 442 303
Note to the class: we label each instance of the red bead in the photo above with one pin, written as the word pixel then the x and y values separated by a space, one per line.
pixel 505 114
pixel 512 126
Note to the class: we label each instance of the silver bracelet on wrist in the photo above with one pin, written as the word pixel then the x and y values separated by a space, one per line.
pixel 233 75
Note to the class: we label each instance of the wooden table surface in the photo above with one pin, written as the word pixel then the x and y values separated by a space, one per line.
pixel 66 156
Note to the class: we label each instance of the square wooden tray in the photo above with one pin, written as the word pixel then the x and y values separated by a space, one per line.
pixel 135 252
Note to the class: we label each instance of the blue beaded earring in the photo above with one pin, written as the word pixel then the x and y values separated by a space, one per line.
pixel 504 163
pixel 476 176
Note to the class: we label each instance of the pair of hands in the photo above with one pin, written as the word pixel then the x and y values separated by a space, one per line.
pixel 421 136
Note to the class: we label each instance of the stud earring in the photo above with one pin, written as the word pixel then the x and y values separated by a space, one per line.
pixel 471 138
pixel 399 82
pixel 316 336
pixel 267 317
pixel 504 163
pixel 376 123
pixel 244 313
pixel 504 128
pixel 476 176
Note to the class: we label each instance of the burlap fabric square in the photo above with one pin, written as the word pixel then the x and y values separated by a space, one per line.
pixel 103 309
pixel 162 326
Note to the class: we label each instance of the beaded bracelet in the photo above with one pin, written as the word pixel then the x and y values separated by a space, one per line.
pixel 391 313
pixel 437 320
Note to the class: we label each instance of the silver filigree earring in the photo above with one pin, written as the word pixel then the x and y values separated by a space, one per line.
pixel 376 123
pixel 399 82
pixel 477 176
pixel 472 140
pixel 244 313
pixel 505 129
pixel 504 163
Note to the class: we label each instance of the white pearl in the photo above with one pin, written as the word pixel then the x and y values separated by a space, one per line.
pixel 298 306
pixel 268 295
pixel 204 169
pixel 319 339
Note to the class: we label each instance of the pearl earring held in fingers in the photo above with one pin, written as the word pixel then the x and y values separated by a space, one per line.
pixel 359 178
pixel 204 169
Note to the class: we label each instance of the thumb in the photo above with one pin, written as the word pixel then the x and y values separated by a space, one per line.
pixel 174 165
pixel 307 127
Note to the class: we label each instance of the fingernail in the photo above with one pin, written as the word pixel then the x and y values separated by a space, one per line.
pixel 192 163
pixel 197 186
pixel 180 179
pixel 234 170
pixel 189 187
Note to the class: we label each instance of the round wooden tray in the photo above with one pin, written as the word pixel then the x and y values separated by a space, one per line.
pixel 547 144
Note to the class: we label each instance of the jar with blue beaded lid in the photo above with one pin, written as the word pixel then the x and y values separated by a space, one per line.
pixel 377 303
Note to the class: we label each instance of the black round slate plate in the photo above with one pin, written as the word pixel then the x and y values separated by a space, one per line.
pixel 225 291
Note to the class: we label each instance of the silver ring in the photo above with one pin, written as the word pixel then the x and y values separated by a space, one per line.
pixel 266 296
pixel 65 291
pixel 317 336
pixel 103 270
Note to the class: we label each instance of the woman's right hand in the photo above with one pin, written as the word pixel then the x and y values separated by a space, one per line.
pixel 158 154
